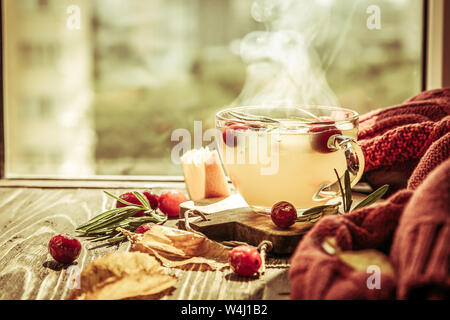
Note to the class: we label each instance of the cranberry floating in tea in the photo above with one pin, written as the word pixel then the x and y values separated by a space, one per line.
pixel 229 135
pixel 320 136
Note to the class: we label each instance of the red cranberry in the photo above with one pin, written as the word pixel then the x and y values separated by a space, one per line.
pixel 245 260
pixel 320 136
pixel 169 202
pixel 283 214
pixel 152 198
pixel 143 228
pixel 64 248
pixel 229 135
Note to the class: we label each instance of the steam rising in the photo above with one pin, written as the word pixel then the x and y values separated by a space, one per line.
pixel 283 67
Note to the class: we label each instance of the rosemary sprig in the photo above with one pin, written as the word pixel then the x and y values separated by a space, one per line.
pixel 346 194
pixel 103 226
pixel 318 209
pixel 314 214
pixel 104 223
pixel 250 117
pixel 254 118
pixel 348 190
pixel 104 216
pixel 344 204
pixel 373 197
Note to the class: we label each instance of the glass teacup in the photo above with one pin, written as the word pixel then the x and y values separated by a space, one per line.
pixel 292 154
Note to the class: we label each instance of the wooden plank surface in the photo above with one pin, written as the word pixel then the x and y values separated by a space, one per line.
pixel 30 216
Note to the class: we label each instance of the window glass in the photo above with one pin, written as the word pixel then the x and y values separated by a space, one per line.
pixel 96 87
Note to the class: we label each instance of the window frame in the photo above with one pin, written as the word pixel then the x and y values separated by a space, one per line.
pixel 435 59
pixel 436 44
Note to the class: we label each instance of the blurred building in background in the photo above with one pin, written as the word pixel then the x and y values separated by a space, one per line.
pixel 48 88
pixel 104 98
pixel 143 43
pixel 147 43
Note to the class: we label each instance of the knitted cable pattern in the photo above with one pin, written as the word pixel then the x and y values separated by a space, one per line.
pixel 402 143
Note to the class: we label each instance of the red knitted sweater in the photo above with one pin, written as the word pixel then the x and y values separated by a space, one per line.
pixel 403 133
pixel 412 226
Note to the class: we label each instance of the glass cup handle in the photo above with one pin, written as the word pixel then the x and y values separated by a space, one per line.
pixel 355 165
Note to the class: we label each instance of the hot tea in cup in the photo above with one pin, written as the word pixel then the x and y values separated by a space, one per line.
pixel 289 153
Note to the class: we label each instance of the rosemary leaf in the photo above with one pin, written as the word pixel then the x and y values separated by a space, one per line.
pixel 99 239
pixel 373 197
pixel 342 190
pixel 119 217
pixel 142 200
pixel 249 117
pixel 315 213
pixel 120 199
pixel 348 192
pixel 107 230
pixel 310 217
pixel 137 221
pixel 102 216
pixel 317 209
pixel 117 239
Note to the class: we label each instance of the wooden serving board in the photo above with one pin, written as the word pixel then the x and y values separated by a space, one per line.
pixel 231 219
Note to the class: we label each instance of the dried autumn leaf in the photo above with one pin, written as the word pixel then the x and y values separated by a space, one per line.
pixel 358 260
pixel 122 276
pixel 176 248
